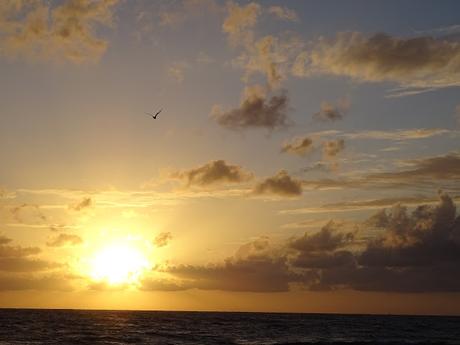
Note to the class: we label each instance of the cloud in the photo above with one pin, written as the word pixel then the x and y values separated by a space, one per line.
pixel 256 110
pixel 327 239
pixel 64 239
pixel 211 173
pixel 446 167
pixel 298 146
pixel 66 32
pixel 162 239
pixel 418 252
pixel 239 22
pixel 412 252
pixel 4 240
pixel 332 112
pixel 177 71
pixel 18 259
pixel 28 213
pixel 398 135
pixel 281 185
pixel 283 13
pixel 360 205
pixel 81 205
pixel 255 267
pixel 29 282
pixel 417 63
pixel 331 149
pixel 428 172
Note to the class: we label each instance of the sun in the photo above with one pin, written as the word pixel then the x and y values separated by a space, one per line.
pixel 119 264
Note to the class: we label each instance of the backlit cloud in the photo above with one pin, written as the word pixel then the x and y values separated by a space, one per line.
pixel 283 13
pixel 257 110
pixel 214 172
pixel 282 184
pixel 298 146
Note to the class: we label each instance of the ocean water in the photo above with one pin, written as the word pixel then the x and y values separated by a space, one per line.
pixel 29 326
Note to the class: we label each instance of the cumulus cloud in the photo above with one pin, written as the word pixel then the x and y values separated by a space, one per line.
pixel 85 203
pixel 239 22
pixel 418 62
pixel 64 239
pixel 332 112
pixel 417 252
pixel 214 172
pixel 65 32
pixel 282 184
pixel 412 252
pixel 162 239
pixel 283 13
pixel 298 146
pixel 257 110
pixel 333 148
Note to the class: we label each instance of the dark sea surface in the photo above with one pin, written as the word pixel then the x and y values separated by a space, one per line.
pixel 29 326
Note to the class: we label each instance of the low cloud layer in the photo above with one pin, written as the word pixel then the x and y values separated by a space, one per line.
pixel 257 110
pixel 413 252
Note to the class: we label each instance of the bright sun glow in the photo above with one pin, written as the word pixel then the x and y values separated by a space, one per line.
pixel 119 264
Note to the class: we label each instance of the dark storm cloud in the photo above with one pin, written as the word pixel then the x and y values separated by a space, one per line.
pixel 214 172
pixel 162 239
pixel 257 110
pixel 282 184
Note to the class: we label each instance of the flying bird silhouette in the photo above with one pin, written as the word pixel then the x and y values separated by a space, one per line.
pixel 154 116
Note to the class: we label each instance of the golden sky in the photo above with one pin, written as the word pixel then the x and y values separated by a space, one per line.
pixel 306 158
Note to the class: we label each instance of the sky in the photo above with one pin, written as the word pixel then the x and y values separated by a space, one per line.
pixel 306 158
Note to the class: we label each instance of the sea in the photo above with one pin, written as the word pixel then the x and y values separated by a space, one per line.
pixel 34 326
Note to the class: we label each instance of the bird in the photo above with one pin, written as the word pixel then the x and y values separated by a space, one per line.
pixel 154 116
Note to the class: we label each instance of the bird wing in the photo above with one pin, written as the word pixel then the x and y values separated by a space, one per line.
pixel 149 114
pixel 159 112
